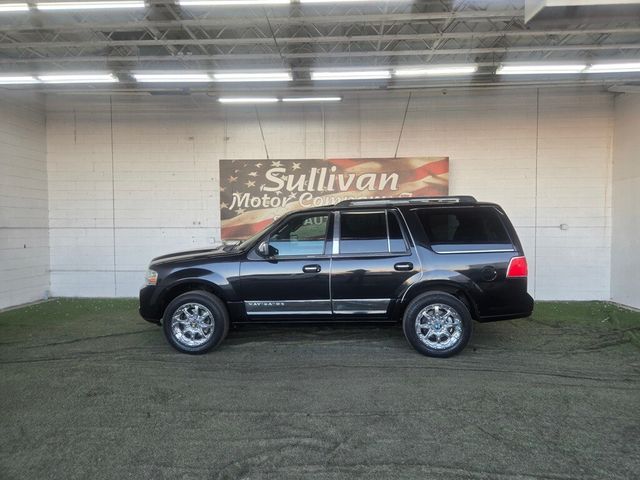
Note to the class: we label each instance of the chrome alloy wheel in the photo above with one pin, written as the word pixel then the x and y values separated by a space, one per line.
pixel 192 324
pixel 439 326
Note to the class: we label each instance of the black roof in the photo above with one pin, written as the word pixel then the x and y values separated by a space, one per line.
pixel 402 201
pixel 461 200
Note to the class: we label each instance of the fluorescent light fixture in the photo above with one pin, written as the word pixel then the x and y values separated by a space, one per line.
pixel 614 67
pixel 14 7
pixel 171 77
pixel 253 77
pixel 539 69
pixel 312 99
pixel 228 3
pixel 436 71
pixel 17 79
pixel 350 75
pixel 247 99
pixel 79 78
pixel 90 5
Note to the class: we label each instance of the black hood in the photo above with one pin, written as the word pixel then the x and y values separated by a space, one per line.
pixel 187 255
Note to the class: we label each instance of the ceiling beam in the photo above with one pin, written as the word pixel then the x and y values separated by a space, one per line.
pixel 344 88
pixel 316 39
pixel 318 55
pixel 222 21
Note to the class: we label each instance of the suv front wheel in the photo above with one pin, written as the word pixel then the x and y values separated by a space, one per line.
pixel 437 324
pixel 195 322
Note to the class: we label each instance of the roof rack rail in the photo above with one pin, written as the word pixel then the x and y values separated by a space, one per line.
pixel 406 201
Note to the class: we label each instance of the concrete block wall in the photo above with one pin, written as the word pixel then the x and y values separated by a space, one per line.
pixel 574 188
pixel 134 177
pixel 625 259
pixel 24 237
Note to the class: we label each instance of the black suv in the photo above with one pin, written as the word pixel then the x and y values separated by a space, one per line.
pixel 435 264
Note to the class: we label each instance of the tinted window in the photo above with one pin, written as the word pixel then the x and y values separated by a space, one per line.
pixel 302 235
pixel 363 232
pixel 396 240
pixel 463 225
pixel 370 232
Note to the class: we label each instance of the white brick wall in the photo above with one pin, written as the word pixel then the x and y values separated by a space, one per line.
pixel 625 259
pixel 24 244
pixel 149 166
pixel 573 187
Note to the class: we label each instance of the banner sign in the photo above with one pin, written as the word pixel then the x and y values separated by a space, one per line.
pixel 253 193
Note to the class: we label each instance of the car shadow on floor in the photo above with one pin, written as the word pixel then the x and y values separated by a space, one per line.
pixel 381 334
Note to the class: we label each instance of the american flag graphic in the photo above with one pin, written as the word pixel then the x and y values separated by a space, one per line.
pixel 253 193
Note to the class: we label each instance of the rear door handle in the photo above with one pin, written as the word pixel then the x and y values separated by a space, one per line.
pixel 315 268
pixel 403 266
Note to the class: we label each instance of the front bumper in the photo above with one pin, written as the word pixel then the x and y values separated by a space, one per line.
pixel 149 307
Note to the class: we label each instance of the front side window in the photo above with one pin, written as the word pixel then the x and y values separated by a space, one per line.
pixel 301 235
pixel 370 232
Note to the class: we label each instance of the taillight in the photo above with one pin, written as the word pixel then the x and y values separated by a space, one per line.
pixel 517 267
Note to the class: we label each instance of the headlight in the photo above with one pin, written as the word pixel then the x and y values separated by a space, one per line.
pixel 151 277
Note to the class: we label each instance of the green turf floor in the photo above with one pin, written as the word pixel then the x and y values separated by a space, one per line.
pixel 88 390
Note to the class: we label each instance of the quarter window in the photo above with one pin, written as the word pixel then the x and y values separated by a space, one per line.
pixel 463 225
pixel 302 235
pixel 396 240
pixel 370 232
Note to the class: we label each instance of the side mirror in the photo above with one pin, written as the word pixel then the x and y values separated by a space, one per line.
pixel 267 251
pixel 263 249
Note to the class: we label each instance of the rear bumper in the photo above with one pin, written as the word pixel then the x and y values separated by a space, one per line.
pixel 149 308
pixel 524 309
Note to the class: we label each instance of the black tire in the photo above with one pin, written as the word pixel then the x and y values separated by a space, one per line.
pixel 432 298
pixel 220 321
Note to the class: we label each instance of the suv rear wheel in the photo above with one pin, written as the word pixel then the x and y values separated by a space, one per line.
pixel 437 324
pixel 195 322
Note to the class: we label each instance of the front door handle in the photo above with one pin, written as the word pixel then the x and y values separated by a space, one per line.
pixel 315 268
pixel 403 266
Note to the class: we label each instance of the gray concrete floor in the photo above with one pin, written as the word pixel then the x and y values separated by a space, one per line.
pixel 89 390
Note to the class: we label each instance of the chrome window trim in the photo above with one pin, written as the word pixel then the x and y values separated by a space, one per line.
pixel 500 250
pixel 373 255
pixel 291 257
pixel 336 234
pixel 386 221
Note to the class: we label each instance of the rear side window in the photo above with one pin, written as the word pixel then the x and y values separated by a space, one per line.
pixel 463 225
pixel 370 232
